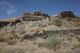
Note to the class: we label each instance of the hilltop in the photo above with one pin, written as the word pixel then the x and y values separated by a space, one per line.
pixel 39 32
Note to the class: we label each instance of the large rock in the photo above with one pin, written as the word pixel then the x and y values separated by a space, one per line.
pixel 41 14
pixel 65 14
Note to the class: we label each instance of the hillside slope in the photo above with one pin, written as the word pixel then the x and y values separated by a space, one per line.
pixel 40 33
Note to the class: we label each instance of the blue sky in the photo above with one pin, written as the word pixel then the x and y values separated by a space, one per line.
pixel 13 8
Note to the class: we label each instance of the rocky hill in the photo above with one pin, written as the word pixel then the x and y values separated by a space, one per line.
pixel 38 32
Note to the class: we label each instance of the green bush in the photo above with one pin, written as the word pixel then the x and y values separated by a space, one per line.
pixel 58 22
pixel 50 42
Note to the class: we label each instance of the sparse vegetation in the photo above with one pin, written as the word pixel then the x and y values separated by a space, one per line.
pixel 58 22
pixel 50 22
pixel 43 36
pixel 51 42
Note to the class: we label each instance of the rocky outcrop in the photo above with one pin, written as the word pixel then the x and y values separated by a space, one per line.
pixel 65 32
pixel 35 16
pixel 4 23
pixel 14 22
pixel 41 14
pixel 65 14
pixel 37 13
pixel 11 22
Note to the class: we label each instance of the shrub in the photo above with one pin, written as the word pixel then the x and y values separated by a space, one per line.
pixel 50 21
pixel 50 42
pixel 58 22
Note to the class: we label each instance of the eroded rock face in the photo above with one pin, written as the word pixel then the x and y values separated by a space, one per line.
pixel 35 16
pixel 37 13
pixel 26 15
pixel 15 22
pixel 65 14
pixel 41 14
pixel 3 23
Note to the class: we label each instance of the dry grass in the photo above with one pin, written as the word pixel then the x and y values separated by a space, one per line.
pixel 50 42
pixel 6 36
pixel 23 49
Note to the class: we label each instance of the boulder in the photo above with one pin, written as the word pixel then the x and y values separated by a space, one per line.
pixel 65 14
